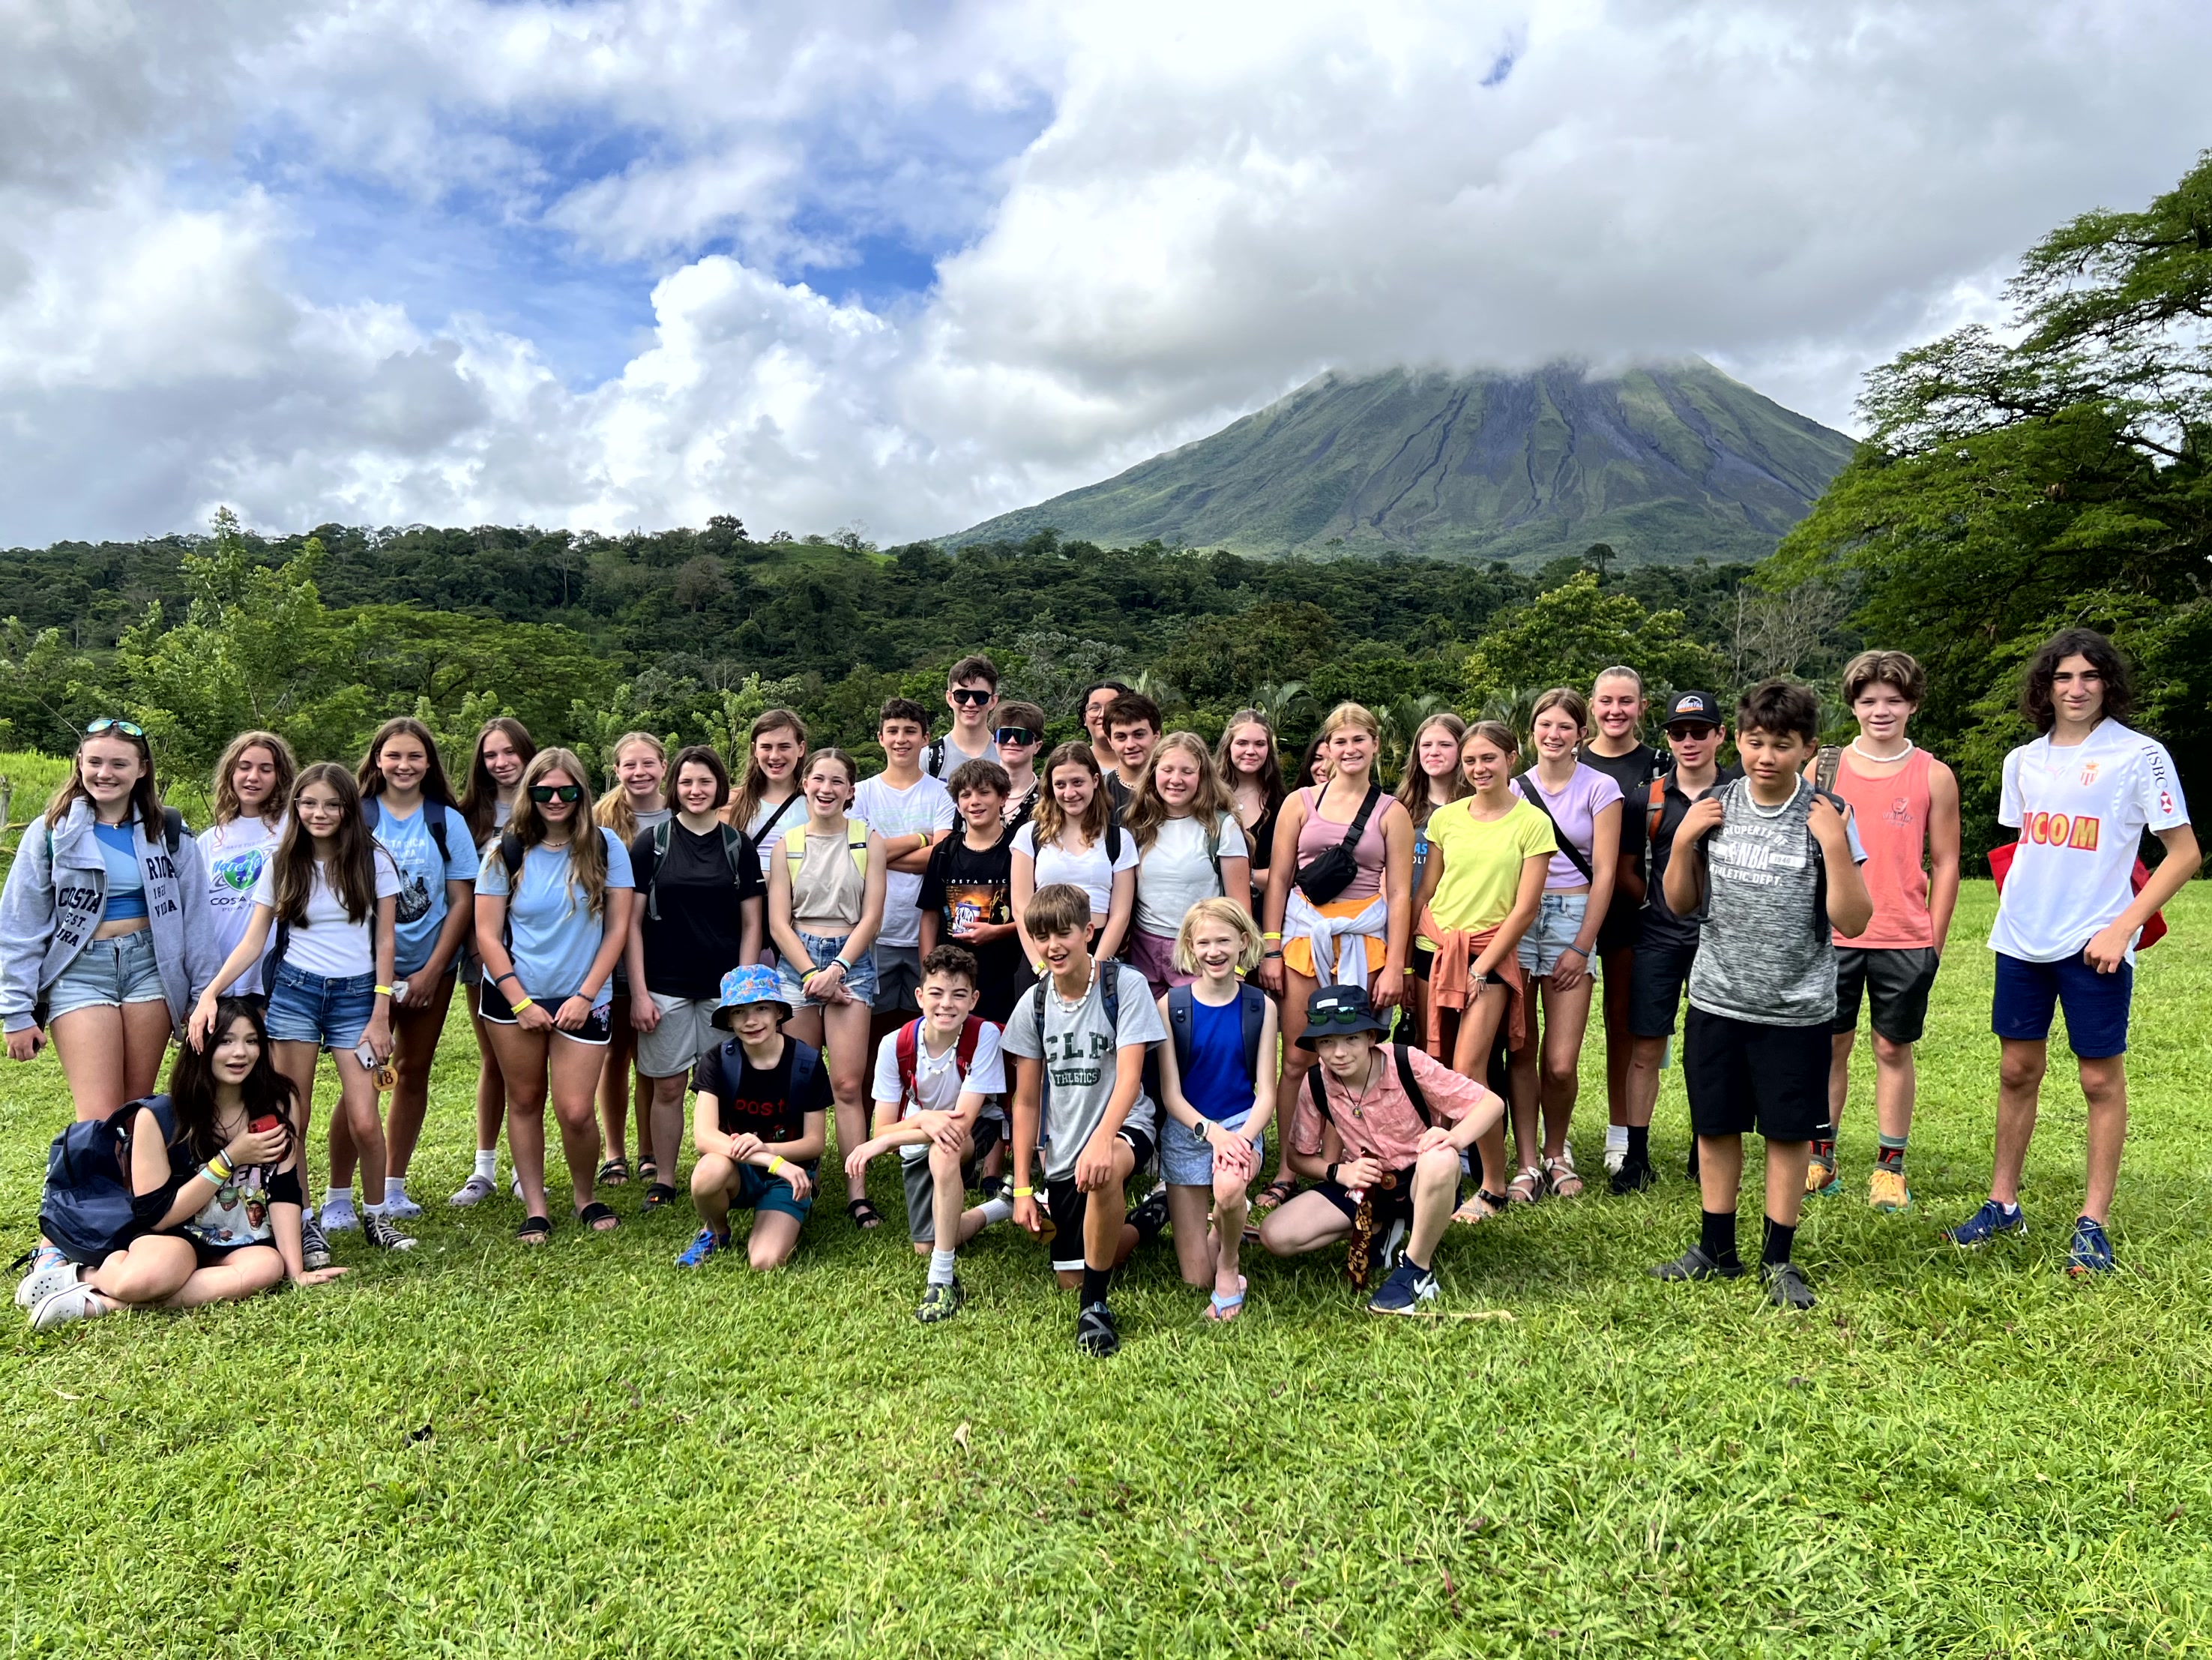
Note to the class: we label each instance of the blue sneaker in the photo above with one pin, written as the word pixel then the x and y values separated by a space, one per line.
pixel 1405 1291
pixel 700 1249
pixel 2091 1252
pixel 1987 1223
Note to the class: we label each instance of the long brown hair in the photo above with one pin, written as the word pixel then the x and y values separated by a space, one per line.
pixel 351 872
pixel 1146 812
pixel 370 773
pixel 229 809
pixel 145 799
pixel 587 849
pixel 1413 789
pixel 1051 818
pixel 614 810
pixel 1270 773
pixel 752 779
pixel 193 1087
pixel 480 797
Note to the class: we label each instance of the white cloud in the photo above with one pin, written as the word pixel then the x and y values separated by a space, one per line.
pixel 1221 202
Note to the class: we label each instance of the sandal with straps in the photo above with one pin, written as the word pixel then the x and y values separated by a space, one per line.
pixel 598 1216
pixel 1559 1175
pixel 864 1215
pixel 614 1173
pixel 1481 1207
pixel 1274 1197
pixel 535 1229
pixel 1526 1188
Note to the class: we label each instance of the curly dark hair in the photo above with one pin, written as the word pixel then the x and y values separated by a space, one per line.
pixel 2103 657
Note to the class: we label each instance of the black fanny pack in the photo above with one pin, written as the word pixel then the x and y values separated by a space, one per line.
pixel 1332 870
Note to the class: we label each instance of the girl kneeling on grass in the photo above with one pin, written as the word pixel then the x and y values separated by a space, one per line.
pixel 230 1174
pixel 1218 1090
pixel 329 896
pixel 553 905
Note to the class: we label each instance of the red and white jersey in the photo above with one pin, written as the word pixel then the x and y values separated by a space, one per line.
pixel 2080 813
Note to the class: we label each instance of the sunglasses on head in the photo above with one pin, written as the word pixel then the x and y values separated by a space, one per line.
pixel 109 723
pixel 1016 735
pixel 1691 729
pixel 976 696
pixel 543 792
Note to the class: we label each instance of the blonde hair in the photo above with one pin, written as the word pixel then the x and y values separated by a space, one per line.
pixel 614 810
pixel 1146 812
pixel 587 849
pixel 1350 714
pixel 1230 915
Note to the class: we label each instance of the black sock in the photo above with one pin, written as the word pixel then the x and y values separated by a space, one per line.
pixel 1718 1236
pixel 1095 1281
pixel 1779 1240
pixel 1639 1144
pixel 1890 1153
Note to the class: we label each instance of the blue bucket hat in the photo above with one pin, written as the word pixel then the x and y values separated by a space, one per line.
pixel 743 986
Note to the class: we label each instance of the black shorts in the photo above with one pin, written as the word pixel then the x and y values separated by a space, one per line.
pixel 1655 983
pixel 213 1256
pixel 1896 983
pixel 1624 922
pixel 1393 1203
pixel 492 1005
pixel 1069 1205
pixel 1743 1077
pixel 1425 963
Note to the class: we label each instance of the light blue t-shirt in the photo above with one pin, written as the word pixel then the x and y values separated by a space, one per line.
pixel 126 883
pixel 554 937
pixel 422 877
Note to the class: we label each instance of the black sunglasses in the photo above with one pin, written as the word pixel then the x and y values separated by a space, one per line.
pixel 109 723
pixel 1013 735
pixel 543 792
pixel 972 695
pixel 1692 730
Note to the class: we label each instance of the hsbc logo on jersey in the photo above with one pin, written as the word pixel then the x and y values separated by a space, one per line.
pixel 2056 830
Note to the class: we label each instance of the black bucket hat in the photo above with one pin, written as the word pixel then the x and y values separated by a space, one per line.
pixel 1338 1012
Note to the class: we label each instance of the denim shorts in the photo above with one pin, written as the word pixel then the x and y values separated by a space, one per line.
pixel 310 1008
pixel 107 973
pixel 1559 919
pixel 1186 1159
pixel 859 979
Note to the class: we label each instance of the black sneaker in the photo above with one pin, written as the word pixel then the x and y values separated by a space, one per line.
pixel 1696 1263
pixel 1149 1216
pixel 379 1232
pixel 940 1303
pixel 314 1248
pixel 1633 1176
pixel 1094 1331
pixel 1785 1286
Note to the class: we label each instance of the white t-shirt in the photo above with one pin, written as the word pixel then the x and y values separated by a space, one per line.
pixel 936 1079
pixel 1089 869
pixel 330 943
pixel 2080 813
pixel 1174 872
pixel 921 805
pixel 234 854
pixel 792 810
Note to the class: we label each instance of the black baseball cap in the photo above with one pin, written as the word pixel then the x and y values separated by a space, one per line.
pixel 1693 706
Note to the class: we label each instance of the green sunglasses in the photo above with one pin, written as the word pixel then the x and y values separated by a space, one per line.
pixel 543 792
pixel 1342 1015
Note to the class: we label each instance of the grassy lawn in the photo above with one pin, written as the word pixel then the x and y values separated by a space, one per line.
pixel 474 1450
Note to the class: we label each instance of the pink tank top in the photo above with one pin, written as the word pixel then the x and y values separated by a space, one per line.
pixel 1367 852
pixel 1892 815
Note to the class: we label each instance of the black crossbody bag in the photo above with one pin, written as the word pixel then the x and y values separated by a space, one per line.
pixel 1332 869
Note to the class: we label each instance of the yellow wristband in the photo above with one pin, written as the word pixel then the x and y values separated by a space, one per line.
pixel 521 1003
pixel 1271 936
pixel 382 991
pixel 1025 1192
pixel 775 1164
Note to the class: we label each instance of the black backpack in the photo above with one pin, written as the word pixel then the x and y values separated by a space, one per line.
pixel 1331 871
pixel 1110 999
pixel 372 815
pixel 89 1208
pixel 737 847
pixel 1407 1080
pixel 1252 1011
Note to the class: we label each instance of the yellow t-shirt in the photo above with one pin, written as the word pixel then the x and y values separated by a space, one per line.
pixel 1482 862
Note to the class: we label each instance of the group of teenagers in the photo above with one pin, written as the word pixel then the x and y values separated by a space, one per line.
pixel 1038 976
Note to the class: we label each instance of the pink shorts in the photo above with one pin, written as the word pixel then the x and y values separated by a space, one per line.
pixel 1153 955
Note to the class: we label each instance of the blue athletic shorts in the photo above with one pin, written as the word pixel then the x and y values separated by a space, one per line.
pixel 2096 1004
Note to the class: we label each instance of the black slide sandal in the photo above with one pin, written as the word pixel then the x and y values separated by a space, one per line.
pixel 535 1229
pixel 596 1212
pixel 864 1215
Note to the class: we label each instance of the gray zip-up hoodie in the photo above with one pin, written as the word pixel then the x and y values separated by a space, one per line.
pixel 56 895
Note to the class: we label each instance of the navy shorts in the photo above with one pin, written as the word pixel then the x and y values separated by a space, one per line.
pixel 2096 1004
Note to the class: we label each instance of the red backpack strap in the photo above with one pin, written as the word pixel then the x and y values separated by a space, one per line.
pixel 963 1053
pixel 1655 808
pixel 904 1049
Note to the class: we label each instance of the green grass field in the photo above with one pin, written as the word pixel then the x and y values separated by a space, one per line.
pixel 478 1451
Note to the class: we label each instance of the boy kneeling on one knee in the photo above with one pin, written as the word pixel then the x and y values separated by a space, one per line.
pixel 1399 1121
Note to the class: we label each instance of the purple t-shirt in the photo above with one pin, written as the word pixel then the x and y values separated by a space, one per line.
pixel 1574 813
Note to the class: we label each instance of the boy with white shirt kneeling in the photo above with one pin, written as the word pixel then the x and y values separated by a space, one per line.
pixel 938 1082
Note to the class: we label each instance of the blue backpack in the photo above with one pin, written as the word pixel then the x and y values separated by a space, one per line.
pixel 89 1209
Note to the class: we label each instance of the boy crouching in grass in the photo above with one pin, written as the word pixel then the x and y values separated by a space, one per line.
pixel 758 1122
pixel 1400 1120
pixel 1079 1041
pixel 934 1077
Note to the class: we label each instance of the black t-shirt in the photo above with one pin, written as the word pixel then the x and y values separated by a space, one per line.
pixel 750 1101
pixel 1660 923
pixel 963 886
pixel 1632 772
pixel 695 941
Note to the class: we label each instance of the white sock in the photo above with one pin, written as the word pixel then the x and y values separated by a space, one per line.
pixel 940 1267
pixel 376 1211
pixel 997 1210
pixel 339 1198
pixel 1616 1138
pixel 488 1164
pixel 395 1187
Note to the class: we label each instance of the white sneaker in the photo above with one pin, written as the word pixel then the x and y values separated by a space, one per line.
pixel 1616 1148
pixel 49 1272
pixel 339 1216
pixel 69 1305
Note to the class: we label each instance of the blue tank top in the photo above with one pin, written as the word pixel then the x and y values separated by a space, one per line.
pixel 1217 1083
pixel 126 883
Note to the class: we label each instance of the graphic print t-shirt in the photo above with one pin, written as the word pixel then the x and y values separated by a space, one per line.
pixel 234 854
pixel 2080 813
pixel 964 888
pixel 1762 955
pixel 422 877
pixel 1078 1050
pixel 756 1101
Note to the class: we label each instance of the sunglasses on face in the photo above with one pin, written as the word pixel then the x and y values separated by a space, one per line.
pixel 109 723
pixel 973 695
pixel 1015 735
pixel 1685 734
pixel 542 794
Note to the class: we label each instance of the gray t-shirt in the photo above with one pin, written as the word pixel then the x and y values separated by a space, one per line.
pixel 1763 956
pixel 1078 1047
